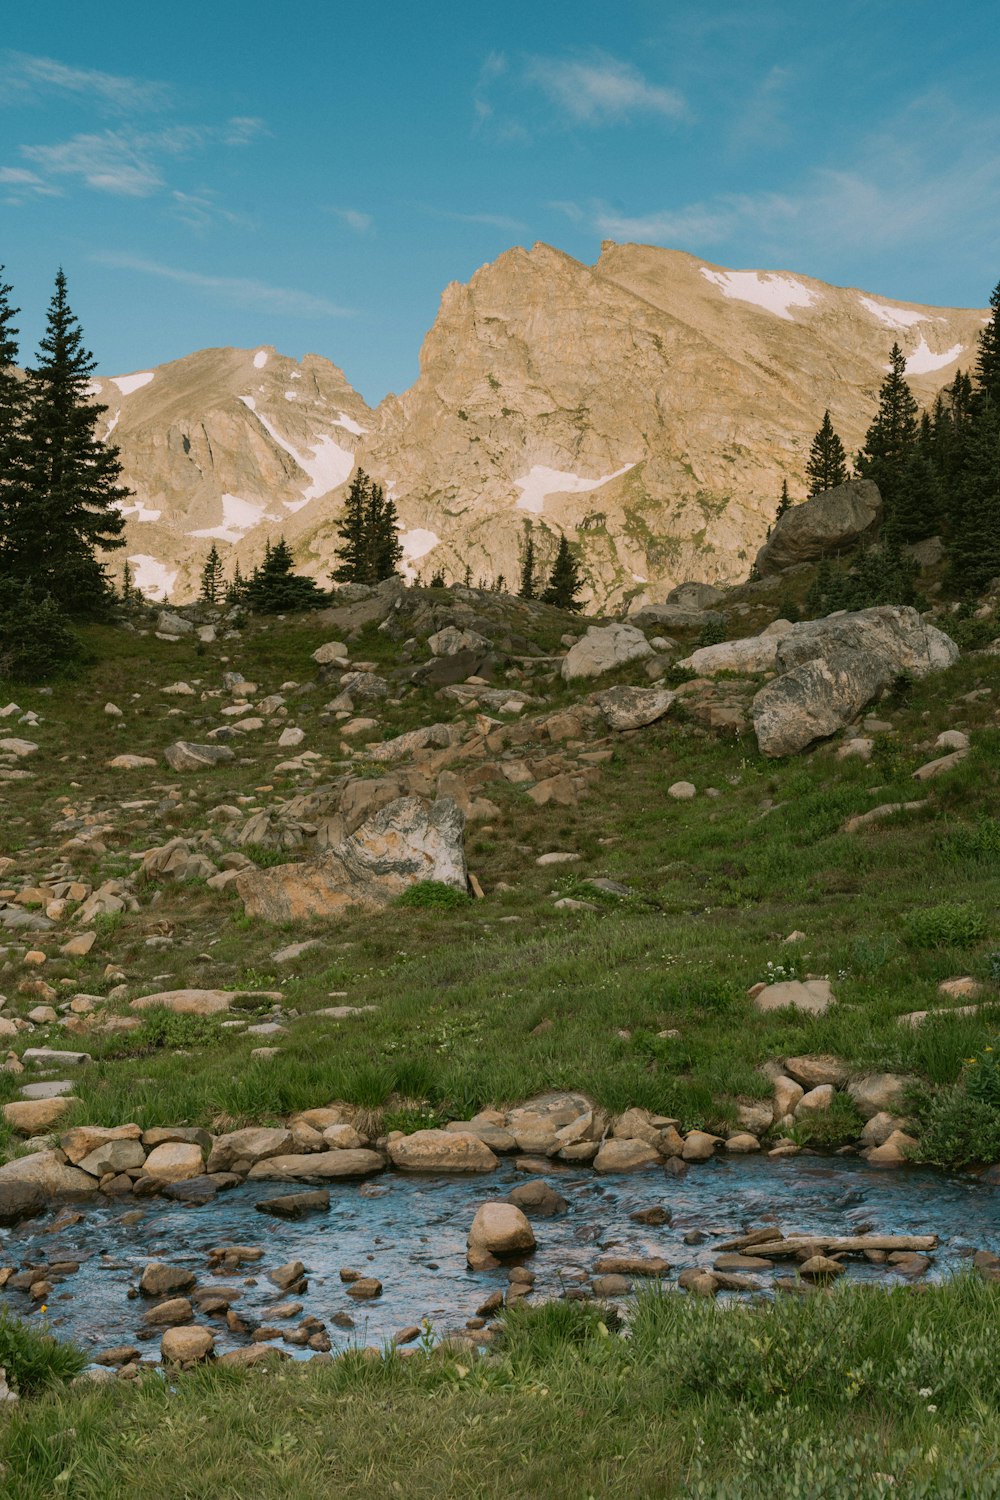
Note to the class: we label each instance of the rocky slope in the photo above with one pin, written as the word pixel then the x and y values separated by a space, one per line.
pixel 649 406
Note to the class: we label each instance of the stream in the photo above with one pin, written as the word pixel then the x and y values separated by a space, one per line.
pixel 410 1233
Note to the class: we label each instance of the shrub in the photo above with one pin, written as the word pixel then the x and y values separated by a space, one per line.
pixel 36 640
pixel 831 1127
pixel 33 1359
pixel 433 895
pixel 162 1029
pixel 952 924
pixel 958 1130
pixel 982 1077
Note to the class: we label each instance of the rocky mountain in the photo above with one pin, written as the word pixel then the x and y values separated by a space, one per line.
pixel 649 406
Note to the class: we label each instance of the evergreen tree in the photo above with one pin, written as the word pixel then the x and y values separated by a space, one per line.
pixel 276 589
pixel 827 465
pixel 369 533
pixel 383 549
pixel 352 531
pixel 988 357
pixel 128 585
pixel 68 508
pixel 784 504
pixel 890 441
pixel 526 588
pixel 36 640
pixel 437 579
pixel 212 580
pixel 12 414
pixel 236 591
pixel 974 542
pixel 564 581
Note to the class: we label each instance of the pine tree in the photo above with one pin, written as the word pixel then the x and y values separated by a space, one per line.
pixel 236 591
pixel 827 465
pixel 988 357
pixel 276 589
pixel 212 581
pixel 564 581
pixel 526 588
pixel 784 503
pixel 437 579
pixel 12 415
pixel 352 531
pixel 383 549
pixel 974 542
pixel 69 509
pixel 890 441
pixel 128 585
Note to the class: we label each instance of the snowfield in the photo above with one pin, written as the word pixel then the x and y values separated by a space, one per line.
pixel 152 578
pixel 922 361
pixel 540 482
pixel 892 317
pixel 260 359
pixel 416 544
pixel 129 383
pixel 238 517
pixel 774 293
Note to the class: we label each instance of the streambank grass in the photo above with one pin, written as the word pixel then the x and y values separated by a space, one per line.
pixel 851 1395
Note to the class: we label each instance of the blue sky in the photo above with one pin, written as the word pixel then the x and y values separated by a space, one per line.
pixel 312 175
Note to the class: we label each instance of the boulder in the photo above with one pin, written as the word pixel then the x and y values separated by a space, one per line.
pixel 603 648
pixel 817 1100
pixel 30 1183
pixel 752 654
pixel 159 1279
pixel 188 1002
pixel 500 1228
pixel 832 668
pixel 173 1161
pixel 821 526
pixel 113 1157
pixel 186 1346
pixel 538 1199
pixel 254 1144
pixel 816 1069
pixel 83 1140
pixel 35 1116
pixel 441 1151
pixel 184 756
pixel 450 641
pixel 317 1166
pixel 813 996
pixel 633 707
pixel 625 1156
pixel 408 841
pixel 895 1150
pixel 699 1145
pixel 877 1092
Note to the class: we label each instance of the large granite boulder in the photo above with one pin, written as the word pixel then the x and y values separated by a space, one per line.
pixel 603 648
pixel 821 527
pixel 30 1183
pixel 832 668
pixel 409 841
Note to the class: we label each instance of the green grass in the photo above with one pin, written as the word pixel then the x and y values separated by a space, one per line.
pixel 859 1393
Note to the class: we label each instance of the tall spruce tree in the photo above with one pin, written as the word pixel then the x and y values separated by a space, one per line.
pixel 212 581
pixel 67 509
pixel 785 503
pixel 564 581
pixel 351 531
pixel 12 414
pixel 890 443
pixel 382 547
pixel 988 356
pixel 527 588
pixel 827 465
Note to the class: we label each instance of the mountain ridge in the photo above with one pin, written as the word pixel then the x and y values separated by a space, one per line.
pixel 649 406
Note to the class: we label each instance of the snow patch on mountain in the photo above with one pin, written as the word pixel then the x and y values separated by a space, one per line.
pixel 138 511
pixel 769 290
pixel 238 517
pixel 349 424
pixel 260 359
pixel 539 482
pixel 923 361
pixel 327 463
pixel 129 383
pixel 250 402
pixel 152 577
pixel 892 317
pixel 416 544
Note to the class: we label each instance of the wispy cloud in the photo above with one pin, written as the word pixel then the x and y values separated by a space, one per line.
pixel 21 184
pixel 244 291
pixel 696 223
pixel 126 162
pixel 25 78
pixel 201 210
pixel 243 130
pixel 601 89
pixel 355 219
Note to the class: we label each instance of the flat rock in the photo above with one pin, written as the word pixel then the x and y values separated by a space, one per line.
pixel 603 648
pixel 317 1166
pixel 295 1205
pixel 185 756
pixel 35 1116
pixel 442 1151
pixel 188 1002
pixel 814 996
pixel 625 1156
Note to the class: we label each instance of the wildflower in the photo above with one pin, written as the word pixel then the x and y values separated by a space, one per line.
pixel 925 1393
pixel 931 1408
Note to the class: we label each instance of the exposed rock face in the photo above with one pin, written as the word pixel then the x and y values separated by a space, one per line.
pixel 408 841
pixel 647 406
pixel 822 526
pixel 833 667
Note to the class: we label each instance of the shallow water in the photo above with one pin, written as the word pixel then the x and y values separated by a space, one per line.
pixel 410 1232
